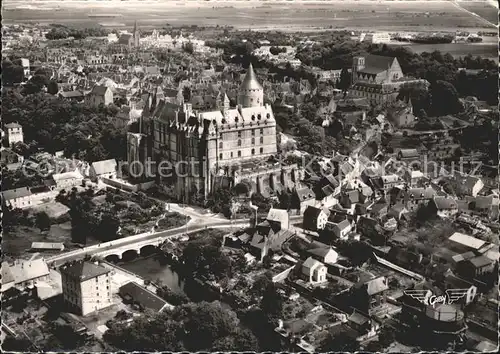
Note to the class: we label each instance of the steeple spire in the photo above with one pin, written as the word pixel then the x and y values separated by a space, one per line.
pixel 136 35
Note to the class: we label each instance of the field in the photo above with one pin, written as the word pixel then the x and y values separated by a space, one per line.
pixel 485 50
pixel 482 8
pixel 361 15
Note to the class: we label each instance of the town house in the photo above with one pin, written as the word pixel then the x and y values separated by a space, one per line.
pixel 86 286
pixel 17 198
pixel 99 95
pixel 369 296
pixel 315 219
pixel 314 271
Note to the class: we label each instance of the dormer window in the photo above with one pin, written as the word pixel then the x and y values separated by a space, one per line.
pixel 223 121
pixel 253 116
pixel 236 120
pixel 259 117
pixel 268 116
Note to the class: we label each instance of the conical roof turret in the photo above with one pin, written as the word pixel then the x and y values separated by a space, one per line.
pixel 250 81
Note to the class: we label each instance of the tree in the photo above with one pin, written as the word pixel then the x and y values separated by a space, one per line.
pixel 108 226
pixel 339 343
pixel 419 96
pixel 262 283
pixel 171 297
pixel 271 303
pixel 188 47
pixel 54 124
pixel 43 221
pixel 186 93
pixel 53 87
pixel 344 81
pixel 36 84
pixel 445 98
pixel 386 337
pixel 12 73
pixel 242 188
pixel 204 258
pixel 277 50
pixel 213 327
pixel 19 344
pixel 285 200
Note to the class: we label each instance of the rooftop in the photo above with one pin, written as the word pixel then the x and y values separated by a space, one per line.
pixel 84 270
pixel 16 193
pixel 250 81
pixel 142 296
pixel 466 240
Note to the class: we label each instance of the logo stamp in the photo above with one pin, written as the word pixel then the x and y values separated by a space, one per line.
pixel 426 297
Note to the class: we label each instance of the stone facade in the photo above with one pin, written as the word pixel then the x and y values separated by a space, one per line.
pixel 202 145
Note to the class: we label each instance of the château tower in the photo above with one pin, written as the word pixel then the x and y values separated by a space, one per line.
pixel 251 93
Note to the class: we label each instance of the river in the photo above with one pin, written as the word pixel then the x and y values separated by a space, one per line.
pixel 150 268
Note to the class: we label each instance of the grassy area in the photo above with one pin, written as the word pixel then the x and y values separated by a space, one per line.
pixel 172 220
pixel 16 243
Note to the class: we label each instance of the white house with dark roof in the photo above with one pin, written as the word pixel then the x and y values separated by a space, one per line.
pixel 103 169
pixel 314 271
pixel 26 273
pixel 14 133
pixel 413 177
pixel 17 198
pixel 445 207
pixel 86 286
pixel 315 219
pixel 302 198
pixel 472 185
pixel 99 95
pixel 67 179
pixel 324 254
pixel 341 229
